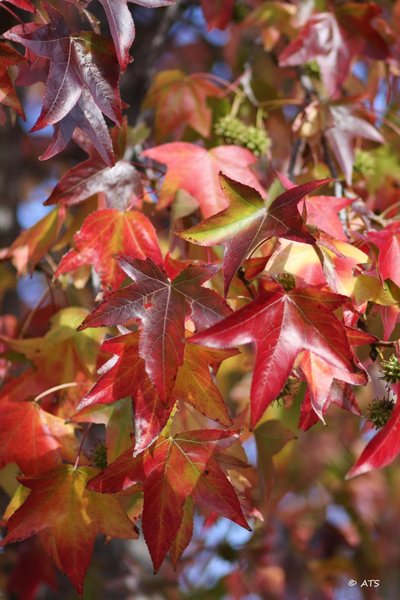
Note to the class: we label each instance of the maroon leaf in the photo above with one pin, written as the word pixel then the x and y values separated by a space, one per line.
pixel 122 26
pixel 80 62
pixel 359 20
pixel 120 183
pixel 218 13
pixel 87 117
pixel 162 308
pixel 323 40
pixel 342 128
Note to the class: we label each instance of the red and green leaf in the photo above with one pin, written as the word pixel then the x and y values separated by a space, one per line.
pixel 248 222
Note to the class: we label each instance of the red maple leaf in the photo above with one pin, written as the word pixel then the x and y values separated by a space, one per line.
pixel 196 170
pixel 105 234
pixel 388 242
pixel 162 307
pixel 30 436
pixel 180 101
pixel 218 13
pixel 281 325
pixel 172 470
pixel 67 517
pixel 82 81
pixel 122 26
pixel 61 356
pixel 384 446
pixel 8 95
pixel 125 375
pixel 323 212
pixel 323 385
pixel 322 39
pixel 340 393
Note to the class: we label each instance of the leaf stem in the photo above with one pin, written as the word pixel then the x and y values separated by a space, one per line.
pixel 389 209
pixel 293 158
pixel 332 168
pixel 387 344
pixel 56 388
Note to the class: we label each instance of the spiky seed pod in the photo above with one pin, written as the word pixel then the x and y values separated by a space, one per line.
pixel 391 369
pixel 312 69
pixel 287 281
pixel 364 163
pixel 230 128
pixel 99 456
pixel 257 140
pixel 290 389
pixel 235 132
pixel 379 411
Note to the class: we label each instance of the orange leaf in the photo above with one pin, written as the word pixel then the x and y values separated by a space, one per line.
pixel 106 233
pixel 180 100
pixel 33 243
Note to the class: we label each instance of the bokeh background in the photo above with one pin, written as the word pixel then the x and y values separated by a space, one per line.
pixel 320 531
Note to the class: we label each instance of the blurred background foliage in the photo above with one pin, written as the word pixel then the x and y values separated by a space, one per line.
pixel 318 530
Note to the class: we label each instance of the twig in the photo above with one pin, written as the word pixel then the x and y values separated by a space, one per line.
pixel 385 344
pixel 332 168
pixel 245 80
pixel 149 64
pixel 51 262
pixel 338 187
pixel 84 436
pixel 32 312
pixel 293 158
